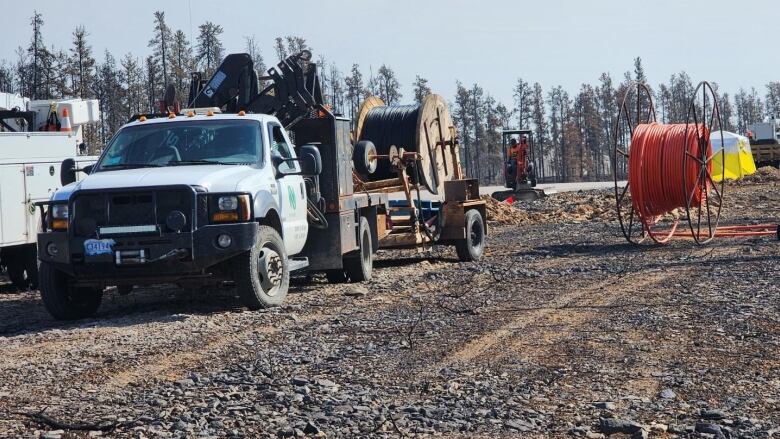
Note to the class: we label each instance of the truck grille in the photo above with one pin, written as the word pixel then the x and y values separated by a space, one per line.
pixel 111 209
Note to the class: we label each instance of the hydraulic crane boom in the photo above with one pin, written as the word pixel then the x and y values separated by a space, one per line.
pixel 294 89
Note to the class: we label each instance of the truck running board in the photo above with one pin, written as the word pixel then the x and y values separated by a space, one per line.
pixel 298 263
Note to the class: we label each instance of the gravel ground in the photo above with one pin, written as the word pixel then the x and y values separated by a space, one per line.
pixel 562 330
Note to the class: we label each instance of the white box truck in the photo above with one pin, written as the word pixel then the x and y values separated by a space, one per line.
pixel 30 171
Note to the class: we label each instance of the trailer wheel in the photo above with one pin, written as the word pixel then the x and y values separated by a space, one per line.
pixel 360 264
pixel 471 248
pixel 262 275
pixel 63 301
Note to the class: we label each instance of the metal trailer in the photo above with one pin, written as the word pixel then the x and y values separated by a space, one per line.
pixel 765 143
pixel 362 217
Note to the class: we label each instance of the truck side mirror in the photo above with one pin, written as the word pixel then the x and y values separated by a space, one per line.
pixel 311 160
pixel 67 172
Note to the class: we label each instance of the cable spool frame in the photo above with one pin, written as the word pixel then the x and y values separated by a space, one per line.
pixel 704 162
pixel 620 157
pixel 703 182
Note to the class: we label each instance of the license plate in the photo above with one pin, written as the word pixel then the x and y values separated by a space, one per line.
pixel 97 247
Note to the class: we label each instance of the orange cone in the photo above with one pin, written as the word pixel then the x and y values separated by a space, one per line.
pixel 65 120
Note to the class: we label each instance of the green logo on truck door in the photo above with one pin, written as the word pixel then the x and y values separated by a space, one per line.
pixel 291 196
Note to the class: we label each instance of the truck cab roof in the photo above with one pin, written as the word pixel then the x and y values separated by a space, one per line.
pixel 200 117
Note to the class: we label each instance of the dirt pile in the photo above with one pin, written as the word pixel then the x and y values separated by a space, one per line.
pixel 597 205
pixel 499 212
pixel 764 174
pixel 564 207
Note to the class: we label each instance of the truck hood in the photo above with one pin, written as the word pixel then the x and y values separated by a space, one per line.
pixel 214 178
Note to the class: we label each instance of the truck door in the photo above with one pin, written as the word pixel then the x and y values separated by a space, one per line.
pixel 13 215
pixel 292 192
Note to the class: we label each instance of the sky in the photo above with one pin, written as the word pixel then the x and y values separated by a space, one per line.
pixel 490 42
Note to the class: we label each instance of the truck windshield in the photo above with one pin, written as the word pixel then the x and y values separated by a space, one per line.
pixel 228 142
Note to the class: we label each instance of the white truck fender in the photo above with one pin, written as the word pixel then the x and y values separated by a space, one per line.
pixel 265 202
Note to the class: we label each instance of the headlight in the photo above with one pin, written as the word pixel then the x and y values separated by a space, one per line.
pixel 59 211
pixel 59 217
pixel 231 208
pixel 229 203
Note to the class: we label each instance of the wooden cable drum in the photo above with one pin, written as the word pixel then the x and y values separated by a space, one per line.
pixel 426 128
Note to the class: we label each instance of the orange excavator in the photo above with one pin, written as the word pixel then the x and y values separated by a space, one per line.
pixel 519 169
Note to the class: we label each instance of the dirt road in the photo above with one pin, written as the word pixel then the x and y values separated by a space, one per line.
pixel 563 329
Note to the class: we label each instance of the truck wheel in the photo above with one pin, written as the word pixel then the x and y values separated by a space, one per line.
pixel 17 275
pixel 31 266
pixel 471 248
pixel 262 275
pixel 63 301
pixel 359 265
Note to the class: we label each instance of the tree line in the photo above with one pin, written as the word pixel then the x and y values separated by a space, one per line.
pixel 571 132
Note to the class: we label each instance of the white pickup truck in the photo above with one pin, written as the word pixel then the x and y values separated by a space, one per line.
pixel 191 198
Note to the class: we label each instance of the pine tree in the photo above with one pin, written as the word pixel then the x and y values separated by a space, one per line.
pixel 773 100
pixel 522 95
pixel 324 78
pixel 209 52
pixel 606 103
pixel 560 111
pixel 727 112
pixel 161 44
pixel 389 88
pixel 663 102
pixel 279 47
pixel 421 89
pixel 541 126
pixel 83 64
pixel 132 81
pixel 462 116
pixel 39 59
pixel 296 45
pixel 109 92
pixel 639 71
pixel 6 77
pixel 492 164
pixel 59 73
pixel 588 131
pixel 680 92
pixel 336 87
pixel 504 115
pixel 750 109
pixel 477 108
pixel 182 65
pixel 355 90
pixel 253 50
pixel 23 73
pixel 152 77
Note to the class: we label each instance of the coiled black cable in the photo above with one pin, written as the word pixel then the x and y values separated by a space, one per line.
pixel 391 126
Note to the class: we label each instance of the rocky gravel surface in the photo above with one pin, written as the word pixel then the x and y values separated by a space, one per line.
pixel 562 330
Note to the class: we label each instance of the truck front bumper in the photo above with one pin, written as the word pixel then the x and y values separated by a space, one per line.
pixel 144 259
